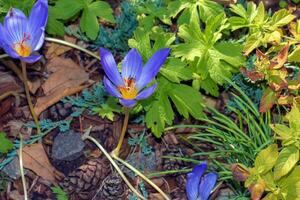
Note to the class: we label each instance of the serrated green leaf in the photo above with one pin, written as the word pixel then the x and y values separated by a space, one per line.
pixel 103 10
pixel 176 71
pixel 108 109
pixel 89 23
pixel 266 159
pixel 5 144
pixel 54 26
pixel 290 185
pixel 288 157
pixel 184 105
pixel 66 9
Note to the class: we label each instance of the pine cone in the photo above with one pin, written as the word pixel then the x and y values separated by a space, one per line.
pixel 113 188
pixel 172 164
pixel 86 178
pixel 60 111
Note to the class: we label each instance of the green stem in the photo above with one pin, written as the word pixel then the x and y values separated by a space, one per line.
pixel 23 64
pixel 63 42
pixel 116 151
pixel 141 175
pixel 88 137
pixel 21 167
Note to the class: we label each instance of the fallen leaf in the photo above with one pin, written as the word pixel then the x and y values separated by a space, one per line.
pixel 34 85
pixel 67 78
pixel 55 50
pixel 36 159
pixel 281 58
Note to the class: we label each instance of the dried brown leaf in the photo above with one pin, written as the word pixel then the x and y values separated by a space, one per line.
pixel 67 78
pixel 36 159
pixel 55 50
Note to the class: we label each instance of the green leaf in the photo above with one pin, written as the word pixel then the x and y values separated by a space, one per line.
pixel 89 23
pixel 5 144
pixel 176 71
pixel 295 55
pixel 211 60
pixel 103 10
pixel 66 9
pixel 54 26
pixel 60 194
pixel 108 109
pixel 185 106
pixel 290 185
pixel 288 157
pixel 266 159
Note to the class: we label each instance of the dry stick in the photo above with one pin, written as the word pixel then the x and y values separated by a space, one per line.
pixel 23 64
pixel 63 42
pixel 87 136
pixel 21 167
pixel 116 151
pixel 142 176
pixel 9 93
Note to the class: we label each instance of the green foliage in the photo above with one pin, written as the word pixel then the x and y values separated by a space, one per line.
pixel 96 101
pixel 89 11
pixel 141 140
pixel 116 38
pixel 60 194
pixel 24 5
pixel 209 58
pixel 184 10
pixel 159 111
pixel 6 144
pixel 262 28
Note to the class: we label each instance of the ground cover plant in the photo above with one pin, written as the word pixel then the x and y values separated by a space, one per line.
pixel 159 99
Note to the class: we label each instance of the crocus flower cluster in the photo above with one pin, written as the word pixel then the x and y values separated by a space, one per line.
pixel 199 186
pixel 20 36
pixel 130 85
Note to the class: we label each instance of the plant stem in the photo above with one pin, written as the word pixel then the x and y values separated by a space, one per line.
pixel 21 167
pixel 9 63
pixel 87 136
pixel 141 175
pixel 116 151
pixel 23 64
pixel 9 93
pixel 63 42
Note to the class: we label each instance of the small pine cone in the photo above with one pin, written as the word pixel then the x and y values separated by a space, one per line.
pixel 113 188
pixel 60 111
pixel 172 164
pixel 87 177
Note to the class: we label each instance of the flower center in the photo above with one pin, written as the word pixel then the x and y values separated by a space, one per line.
pixel 128 91
pixel 22 48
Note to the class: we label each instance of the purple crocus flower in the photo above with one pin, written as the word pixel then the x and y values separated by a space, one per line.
pixel 199 186
pixel 20 36
pixel 129 86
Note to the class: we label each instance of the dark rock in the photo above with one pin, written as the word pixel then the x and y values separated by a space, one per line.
pixel 67 146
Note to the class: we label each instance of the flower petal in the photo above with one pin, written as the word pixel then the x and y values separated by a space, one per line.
pixel 10 51
pixel 110 67
pixel 132 65
pixel 146 92
pixel 111 89
pixel 38 17
pixel 193 181
pixel 207 184
pixel 38 40
pixel 128 103
pixel 15 25
pixel 31 58
pixel 152 67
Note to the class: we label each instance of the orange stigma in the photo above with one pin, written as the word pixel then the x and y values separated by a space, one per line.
pixel 22 48
pixel 128 91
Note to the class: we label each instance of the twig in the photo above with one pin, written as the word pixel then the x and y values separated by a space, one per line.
pixel 87 136
pixel 63 42
pixel 142 176
pixel 21 167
